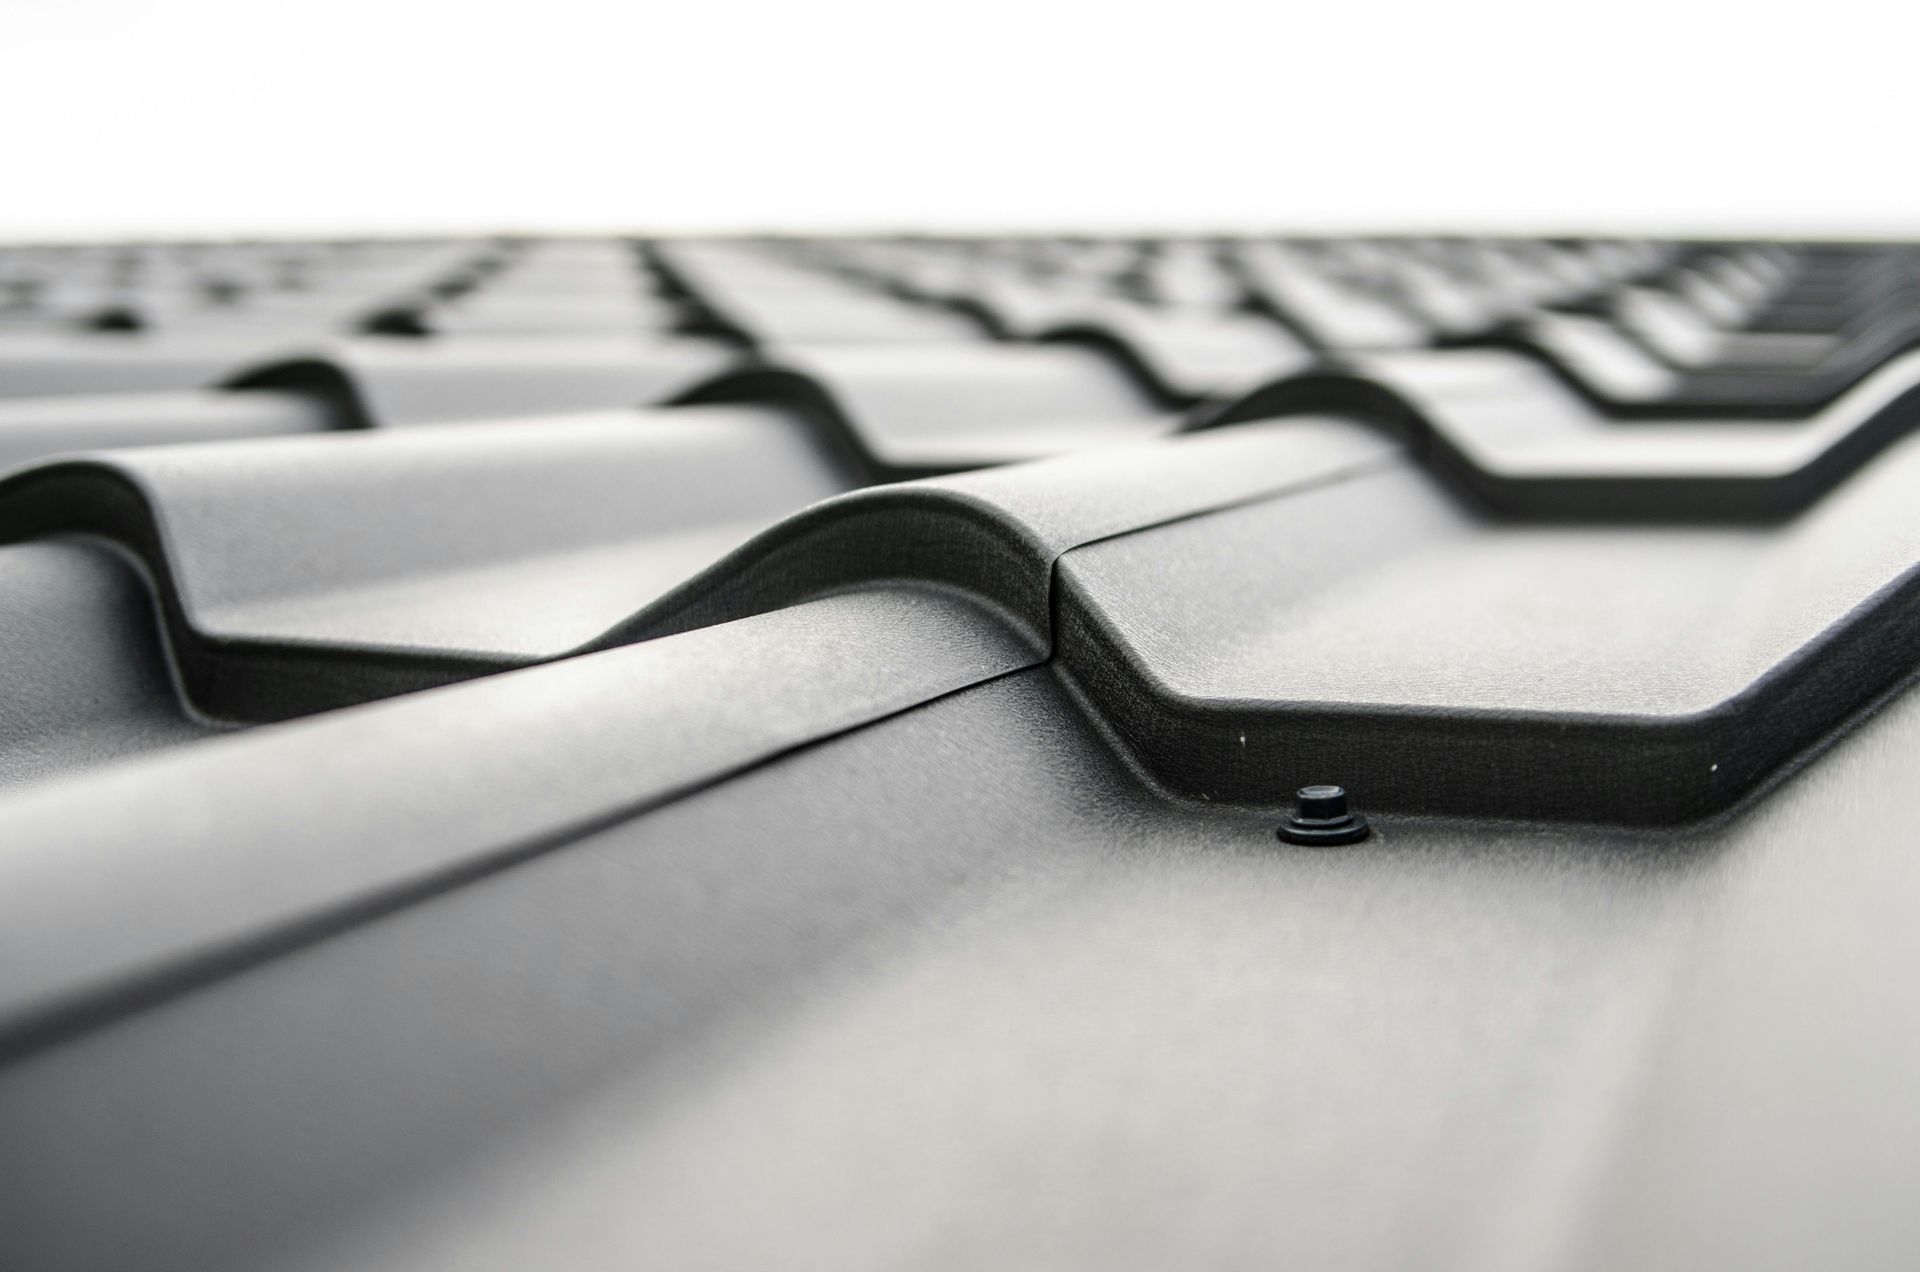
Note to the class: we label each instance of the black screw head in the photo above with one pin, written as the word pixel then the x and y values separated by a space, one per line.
pixel 1320 803
pixel 1321 817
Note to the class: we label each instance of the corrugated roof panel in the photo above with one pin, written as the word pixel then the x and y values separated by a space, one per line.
pixel 597 753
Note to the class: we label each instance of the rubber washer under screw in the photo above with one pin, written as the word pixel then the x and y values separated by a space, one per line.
pixel 1321 817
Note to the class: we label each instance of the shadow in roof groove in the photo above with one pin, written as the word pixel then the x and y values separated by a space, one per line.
pixel 1024 542
pixel 222 560
pixel 1503 436
pixel 308 605
pixel 929 827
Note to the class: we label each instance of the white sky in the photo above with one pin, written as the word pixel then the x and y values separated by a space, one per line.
pixel 213 116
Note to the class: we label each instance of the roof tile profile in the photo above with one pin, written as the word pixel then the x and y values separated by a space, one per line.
pixel 768 752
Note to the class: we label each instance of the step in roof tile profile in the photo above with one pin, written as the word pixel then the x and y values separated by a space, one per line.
pixel 616 752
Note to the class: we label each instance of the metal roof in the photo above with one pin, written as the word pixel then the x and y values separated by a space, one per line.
pixel 590 753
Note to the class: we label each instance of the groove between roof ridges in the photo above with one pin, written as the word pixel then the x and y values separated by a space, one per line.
pixel 922 531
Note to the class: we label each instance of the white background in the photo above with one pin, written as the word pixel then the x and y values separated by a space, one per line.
pixel 214 116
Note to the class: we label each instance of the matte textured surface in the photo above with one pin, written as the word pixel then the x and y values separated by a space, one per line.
pixel 602 754
pixel 85 676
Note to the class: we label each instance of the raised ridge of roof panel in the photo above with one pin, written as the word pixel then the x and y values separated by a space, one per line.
pixel 397 383
pixel 1502 430
pixel 511 745
pixel 640 724
pixel 939 407
pixel 85 678
pixel 40 365
pixel 1377 629
pixel 587 1057
pixel 33 429
pixel 534 539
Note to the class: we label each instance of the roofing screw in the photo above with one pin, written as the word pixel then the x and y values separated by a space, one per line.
pixel 1321 817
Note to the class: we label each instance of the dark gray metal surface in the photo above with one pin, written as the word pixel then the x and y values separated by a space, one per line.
pixel 569 804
